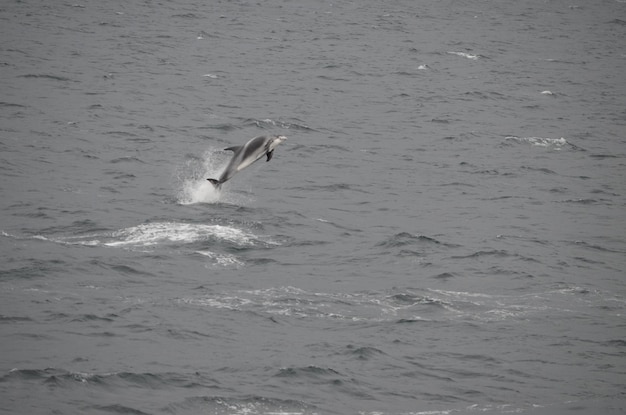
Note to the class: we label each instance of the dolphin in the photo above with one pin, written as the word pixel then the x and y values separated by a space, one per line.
pixel 247 154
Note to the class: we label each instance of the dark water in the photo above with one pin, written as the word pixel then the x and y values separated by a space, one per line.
pixel 443 232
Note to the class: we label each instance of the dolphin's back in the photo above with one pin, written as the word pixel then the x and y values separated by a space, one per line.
pixel 245 155
pixel 251 151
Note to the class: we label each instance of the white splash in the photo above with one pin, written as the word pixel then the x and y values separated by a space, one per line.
pixel 198 191
pixel 191 178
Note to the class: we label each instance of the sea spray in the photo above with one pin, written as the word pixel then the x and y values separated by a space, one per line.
pixel 198 191
pixel 191 185
pixel 190 178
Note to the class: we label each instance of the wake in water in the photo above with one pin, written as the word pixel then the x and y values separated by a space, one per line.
pixel 403 306
pixel 209 241
pixel 549 143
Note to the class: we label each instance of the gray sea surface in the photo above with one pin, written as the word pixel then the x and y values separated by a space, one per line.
pixel 443 232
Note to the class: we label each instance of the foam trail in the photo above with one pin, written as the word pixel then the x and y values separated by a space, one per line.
pixel 159 232
pixel 550 143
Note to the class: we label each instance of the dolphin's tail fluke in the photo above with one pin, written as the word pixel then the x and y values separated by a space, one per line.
pixel 215 183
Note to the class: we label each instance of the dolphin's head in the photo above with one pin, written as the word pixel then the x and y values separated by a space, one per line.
pixel 276 140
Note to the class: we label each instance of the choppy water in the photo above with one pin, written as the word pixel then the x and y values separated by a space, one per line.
pixel 443 232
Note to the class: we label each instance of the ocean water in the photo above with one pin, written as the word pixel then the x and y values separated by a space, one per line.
pixel 444 231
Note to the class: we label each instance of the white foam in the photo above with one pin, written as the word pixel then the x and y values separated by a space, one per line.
pixel 554 143
pixel 295 302
pixel 222 260
pixel 227 302
pixel 147 236
pixel 465 55
pixel 158 232
pixel 63 240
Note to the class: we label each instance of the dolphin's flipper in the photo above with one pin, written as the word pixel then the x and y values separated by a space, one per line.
pixel 269 155
pixel 234 148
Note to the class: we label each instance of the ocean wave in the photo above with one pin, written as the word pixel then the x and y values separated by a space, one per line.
pixel 363 352
pixel 47 76
pixel 119 409
pixel 66 381
pixel 320 377
pixel 306 371
pixel 406 238
pixel 496 253
pixel 269 123
pixel 11 104
pixel 405 244
pixel 221 259
pixel 61 377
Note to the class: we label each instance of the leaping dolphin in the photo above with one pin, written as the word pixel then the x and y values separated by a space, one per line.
pixel 247 154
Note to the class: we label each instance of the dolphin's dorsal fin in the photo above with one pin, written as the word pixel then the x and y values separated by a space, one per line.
pixel 233 149
pixel 269 155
